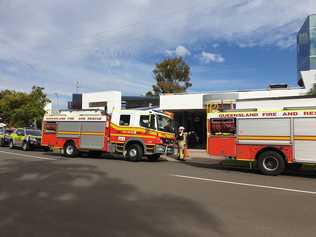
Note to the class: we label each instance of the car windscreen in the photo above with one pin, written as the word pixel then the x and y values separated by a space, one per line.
pixel 165 124
pixel 33 132
pixel 8 131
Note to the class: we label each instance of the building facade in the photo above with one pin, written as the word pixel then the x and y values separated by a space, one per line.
pixel 306 46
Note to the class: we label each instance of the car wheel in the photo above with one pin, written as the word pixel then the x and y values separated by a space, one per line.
pixel 134 152
pixel 1 142
pixel 11 144
pixel 154 157
pixel 271 163
pixel 70 150
pixel 25 146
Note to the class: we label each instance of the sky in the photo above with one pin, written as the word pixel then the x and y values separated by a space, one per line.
pixel 115 44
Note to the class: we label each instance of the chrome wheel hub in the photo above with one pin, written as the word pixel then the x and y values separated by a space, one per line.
pixel 132 153
pixel 271 163
pixel 69 150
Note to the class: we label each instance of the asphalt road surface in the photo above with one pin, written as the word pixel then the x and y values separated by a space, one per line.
pixel 43 195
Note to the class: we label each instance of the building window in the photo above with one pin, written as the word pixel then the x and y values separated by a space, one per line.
pixel 313 41
pixel 98 104
pixel 125 120
pixel 312 22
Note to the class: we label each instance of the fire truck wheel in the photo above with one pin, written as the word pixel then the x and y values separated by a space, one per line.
pixel 153 157
pixel 134 152
pixel 70 150
pixel 271 163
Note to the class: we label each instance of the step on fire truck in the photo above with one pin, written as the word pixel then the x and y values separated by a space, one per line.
pixel 132 133
pixel 274 140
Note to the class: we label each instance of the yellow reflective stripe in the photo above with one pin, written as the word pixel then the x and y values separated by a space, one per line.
pixel 81 133
pixel 127 128
pixel 131 135
pixel 283 138
pixel 309 138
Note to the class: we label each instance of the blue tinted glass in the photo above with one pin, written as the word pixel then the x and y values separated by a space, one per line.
pixel 313 63
pixel 313 41
pixel 312 21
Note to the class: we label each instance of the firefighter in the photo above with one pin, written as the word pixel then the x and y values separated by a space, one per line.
pixel 182 143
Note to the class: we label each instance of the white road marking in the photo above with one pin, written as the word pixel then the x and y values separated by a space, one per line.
pixel 245 184
pixel 29 156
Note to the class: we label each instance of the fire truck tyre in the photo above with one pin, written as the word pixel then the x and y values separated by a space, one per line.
pixel 70 150
pixel 134 152
pixel 153 157
pixel 25 146
pixel 271 163
pixel 11 144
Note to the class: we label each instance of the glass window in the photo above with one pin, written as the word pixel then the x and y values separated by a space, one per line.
pixel 147 121
pixel 50 127
pixel 1 131
pixel 313 41
pixel 313 63
pixel 20 132
pixel 125 120
pixel 223 126
pixel 33 132
pixel 312 21
pixel 9 131
pixel 165 123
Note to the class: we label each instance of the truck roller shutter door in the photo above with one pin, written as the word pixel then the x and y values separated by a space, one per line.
pixel 92 135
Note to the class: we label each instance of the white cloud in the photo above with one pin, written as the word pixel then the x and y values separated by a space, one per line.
pixel 53 43
pixel 207 57
pixel 180 51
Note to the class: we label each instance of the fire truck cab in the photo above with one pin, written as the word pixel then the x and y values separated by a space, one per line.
pixel 132 133
pixel 274 140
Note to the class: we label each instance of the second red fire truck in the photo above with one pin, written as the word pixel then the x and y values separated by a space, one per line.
pixel 274 140
pixel 132 133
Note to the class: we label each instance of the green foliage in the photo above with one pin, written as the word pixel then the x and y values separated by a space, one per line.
pixel 313 90
pixel 21 109
pixel 172 75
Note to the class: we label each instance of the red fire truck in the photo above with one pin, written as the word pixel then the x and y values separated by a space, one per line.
pixel 274 140
pixel 133 133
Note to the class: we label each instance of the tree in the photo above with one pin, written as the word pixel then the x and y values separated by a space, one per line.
pixel 21 109
pixel 172 75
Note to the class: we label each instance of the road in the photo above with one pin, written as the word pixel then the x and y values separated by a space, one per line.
pixel 42 194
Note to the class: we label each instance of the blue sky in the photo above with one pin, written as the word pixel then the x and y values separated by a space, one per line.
pixel 113 45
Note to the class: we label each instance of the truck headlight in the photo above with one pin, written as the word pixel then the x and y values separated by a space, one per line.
pixel 160 148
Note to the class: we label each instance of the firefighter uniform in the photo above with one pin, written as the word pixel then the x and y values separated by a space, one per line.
pixel 182 143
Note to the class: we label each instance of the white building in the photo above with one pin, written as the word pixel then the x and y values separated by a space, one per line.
pixel 105 100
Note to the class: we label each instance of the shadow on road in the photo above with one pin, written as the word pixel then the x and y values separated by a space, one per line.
pixel 244 167
pixel 61 199
pixel 97 156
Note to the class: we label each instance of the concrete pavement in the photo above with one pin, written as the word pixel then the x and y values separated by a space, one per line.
pixel 113 197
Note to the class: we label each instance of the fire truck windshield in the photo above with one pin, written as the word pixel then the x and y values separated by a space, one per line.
pixel 165 124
